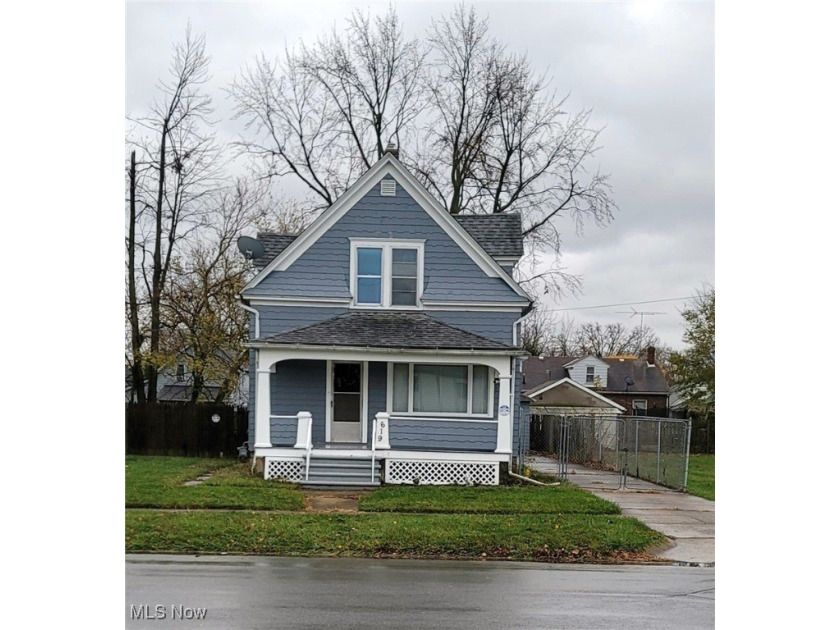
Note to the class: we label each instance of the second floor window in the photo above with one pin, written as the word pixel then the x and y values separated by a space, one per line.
pixel 590 374
pixel 387 274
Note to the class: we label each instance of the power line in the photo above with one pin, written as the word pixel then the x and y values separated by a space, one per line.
pixel 582 308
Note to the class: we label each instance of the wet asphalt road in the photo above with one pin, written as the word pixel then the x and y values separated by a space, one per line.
pixel 300 593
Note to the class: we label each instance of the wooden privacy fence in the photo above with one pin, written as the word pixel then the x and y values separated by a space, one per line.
pixel 185 429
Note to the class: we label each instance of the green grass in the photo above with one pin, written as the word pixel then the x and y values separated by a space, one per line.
pixel 157 482
pixel 561 499
pixel 701 476
pixel 566 538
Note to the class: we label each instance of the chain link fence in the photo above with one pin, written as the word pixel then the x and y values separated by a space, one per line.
pixel 636 447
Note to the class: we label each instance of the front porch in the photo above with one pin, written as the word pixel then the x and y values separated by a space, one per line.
pixel 320 410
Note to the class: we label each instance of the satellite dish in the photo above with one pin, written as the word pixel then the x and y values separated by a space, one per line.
pixel 629 381
pixel 250 247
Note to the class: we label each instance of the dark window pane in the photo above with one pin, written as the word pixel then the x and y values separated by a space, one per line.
pixel 405 255
pixel 404 285
pixel 399 298
pixel 440 388
pixel 370 291
pixel 347 377
pixel 346 407
pixel 370 261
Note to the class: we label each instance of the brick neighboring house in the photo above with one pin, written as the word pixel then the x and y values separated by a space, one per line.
pixel 638 385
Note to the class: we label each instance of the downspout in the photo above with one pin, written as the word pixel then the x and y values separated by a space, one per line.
pixel 256 313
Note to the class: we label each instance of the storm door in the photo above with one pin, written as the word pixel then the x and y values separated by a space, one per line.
pixel 347 403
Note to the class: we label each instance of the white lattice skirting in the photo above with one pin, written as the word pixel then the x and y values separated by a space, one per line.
pixel 441 472
pixel 285 469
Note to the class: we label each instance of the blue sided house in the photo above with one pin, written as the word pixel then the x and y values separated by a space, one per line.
pixel 384 341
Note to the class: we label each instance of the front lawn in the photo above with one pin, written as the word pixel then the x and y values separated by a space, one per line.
pixel 701 476
pixel 557 538
pixel 157 482
pixel 561 499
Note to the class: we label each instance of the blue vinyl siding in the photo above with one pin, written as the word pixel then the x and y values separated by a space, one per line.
pixel 377 391
pixel 324 269
pixel 283 431
pixel 437 435
pixel 301 385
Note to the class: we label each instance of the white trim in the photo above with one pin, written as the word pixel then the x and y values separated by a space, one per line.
pixel 364 453
pixel 386 277
pixel 404 416
pixel 507 260
pixel 268 300
pixel 363 395
pixel 429 305
pixel 582 388
pixel 438 305
pixel 388 165
pixel 365 353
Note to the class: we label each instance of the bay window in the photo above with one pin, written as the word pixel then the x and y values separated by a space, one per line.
pixel 437 389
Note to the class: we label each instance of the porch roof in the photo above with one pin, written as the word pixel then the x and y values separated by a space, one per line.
pixel 375 329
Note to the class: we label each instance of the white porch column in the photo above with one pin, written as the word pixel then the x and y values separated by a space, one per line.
pixel 504 413
pixel 262 412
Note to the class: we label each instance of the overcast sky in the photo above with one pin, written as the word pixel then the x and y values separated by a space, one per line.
pixel 645 68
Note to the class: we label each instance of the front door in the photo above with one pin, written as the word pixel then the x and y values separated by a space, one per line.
pixel 347 403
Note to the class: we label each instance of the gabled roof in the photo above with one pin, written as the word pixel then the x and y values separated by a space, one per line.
pixel 579 359
pixel 532 394
pixel 500 235
pixel 274 245
pixel 387 165
pixel 384 329
pixel 538 371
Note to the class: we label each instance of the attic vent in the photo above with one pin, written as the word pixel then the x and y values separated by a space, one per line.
pixel 388 188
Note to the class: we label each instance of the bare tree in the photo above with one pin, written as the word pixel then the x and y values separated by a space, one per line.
pixel 475 123
pixel 324 114
pixel 604 340
pixel 205 327
pixel 179 162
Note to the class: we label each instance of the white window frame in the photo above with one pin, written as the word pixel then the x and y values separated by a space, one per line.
pixel 387 246
pixel 586 376
pixel 491 387
pixel 640 400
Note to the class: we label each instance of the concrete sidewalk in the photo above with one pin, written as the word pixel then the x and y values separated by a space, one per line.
pixel 688 520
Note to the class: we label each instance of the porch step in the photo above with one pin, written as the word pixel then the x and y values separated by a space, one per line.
pixel 345 472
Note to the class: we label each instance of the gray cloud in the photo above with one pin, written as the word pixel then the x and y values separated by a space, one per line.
pixel 645 69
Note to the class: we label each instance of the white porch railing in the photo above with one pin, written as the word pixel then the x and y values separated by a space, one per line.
pixel 379 437
pixel 304 438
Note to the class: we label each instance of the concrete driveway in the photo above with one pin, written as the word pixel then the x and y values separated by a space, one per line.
pixel 688 520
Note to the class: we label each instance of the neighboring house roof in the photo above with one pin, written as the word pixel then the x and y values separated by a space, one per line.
pixel 181 392
pixel 498 234
pixel 388 165
pixel 645 379
pixel 387 330
pixel 533 393
pixel 538 371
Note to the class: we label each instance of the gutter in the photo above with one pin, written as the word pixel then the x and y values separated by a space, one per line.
pixel 250 309
pixel 515 352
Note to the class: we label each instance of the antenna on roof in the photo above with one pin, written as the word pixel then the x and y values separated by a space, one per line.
pixel 250 247
pixel 633 312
